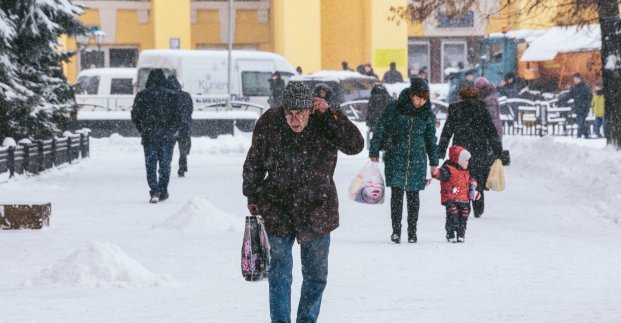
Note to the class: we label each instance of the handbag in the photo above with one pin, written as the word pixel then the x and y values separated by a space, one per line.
pixel 255 253
pixel 496 177
pixel 368 186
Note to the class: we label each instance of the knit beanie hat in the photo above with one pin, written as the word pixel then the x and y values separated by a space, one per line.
pixel 464 155
pixel 297 96
pixel 481 83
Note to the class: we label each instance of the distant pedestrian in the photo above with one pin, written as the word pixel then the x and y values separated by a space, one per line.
pixel 379 100
pixel 581 94
pixel 368 70
pixel 157 117
pixel 277 87
pixel 345 66
pixel 184 139
pixel 392 75
pixel 487 93
pixel 287 179
pixel 467 82
pixel 299 70
pixel 598 104
pixel 508 87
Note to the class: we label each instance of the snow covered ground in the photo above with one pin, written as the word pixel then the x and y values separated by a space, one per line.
pixel 546 249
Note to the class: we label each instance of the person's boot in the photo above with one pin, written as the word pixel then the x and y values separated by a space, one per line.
pixel 450 236
pixel 478 206
pixel 154 198
pixel 396 234
pixel 412 235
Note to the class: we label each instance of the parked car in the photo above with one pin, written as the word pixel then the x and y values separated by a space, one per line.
pixel 109 88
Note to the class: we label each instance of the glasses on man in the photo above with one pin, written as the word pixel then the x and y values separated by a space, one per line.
pixel 298 114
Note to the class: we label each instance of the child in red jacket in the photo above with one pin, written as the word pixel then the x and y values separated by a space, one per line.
pixel 456 189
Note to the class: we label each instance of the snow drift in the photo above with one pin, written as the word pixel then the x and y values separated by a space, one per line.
pixel 99 265
pixel 199 215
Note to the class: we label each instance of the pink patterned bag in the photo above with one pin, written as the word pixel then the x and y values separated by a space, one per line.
pixel 255 253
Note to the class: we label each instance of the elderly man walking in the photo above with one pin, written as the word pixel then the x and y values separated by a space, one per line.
pixel 287 179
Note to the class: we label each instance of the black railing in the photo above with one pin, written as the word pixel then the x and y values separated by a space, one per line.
pixel 33 157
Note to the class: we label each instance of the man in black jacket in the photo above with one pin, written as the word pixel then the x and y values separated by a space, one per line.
pixel 581 94
pixel 393 75
pixel 157 117
pixel 185 131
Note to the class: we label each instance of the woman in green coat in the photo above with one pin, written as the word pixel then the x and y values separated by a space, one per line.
pixel 407 134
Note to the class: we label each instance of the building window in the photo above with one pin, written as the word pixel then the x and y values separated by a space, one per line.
pixel 464 21
pixel 453 56
pixel 418 57
pixel 123 57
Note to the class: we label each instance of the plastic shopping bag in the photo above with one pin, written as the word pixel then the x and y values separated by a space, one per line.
pixel 255 255
pixel 496 177
pixel 368 185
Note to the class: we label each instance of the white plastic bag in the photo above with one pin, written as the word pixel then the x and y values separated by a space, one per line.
pixel 368 185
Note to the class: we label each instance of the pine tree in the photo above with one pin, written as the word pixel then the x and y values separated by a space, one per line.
pixel 44 99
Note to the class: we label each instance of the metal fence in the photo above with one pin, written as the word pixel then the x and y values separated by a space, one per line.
pixel 33 157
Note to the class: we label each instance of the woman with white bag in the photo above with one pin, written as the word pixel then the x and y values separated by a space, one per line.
pixel 407 134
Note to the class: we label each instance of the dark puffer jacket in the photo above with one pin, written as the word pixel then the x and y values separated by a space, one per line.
pixel 470 126
pixel 186 107
pixel 288 175
pixel 156 113
pixel 409 135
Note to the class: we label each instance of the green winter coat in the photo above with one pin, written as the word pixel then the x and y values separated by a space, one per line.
pixel 408 136
pixel 598 105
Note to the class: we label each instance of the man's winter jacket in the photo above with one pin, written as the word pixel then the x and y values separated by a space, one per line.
pixel 288 175
pixel 155 113
pixel 581 93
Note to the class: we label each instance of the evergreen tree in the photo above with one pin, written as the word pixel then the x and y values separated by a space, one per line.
pixel 44 99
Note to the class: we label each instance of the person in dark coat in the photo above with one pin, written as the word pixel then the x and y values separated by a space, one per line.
pixel 470 125
pixel 487 93
pixel 324 91
pixel 407 134
pixel 368 71
pixel 288 180
pixel 379 100
pixel 392 75
pixel 582 96
pixel 157 117
pixel 468 81
pixel 277 86
pixel 185 131
pixel 508 87
pixel 345 66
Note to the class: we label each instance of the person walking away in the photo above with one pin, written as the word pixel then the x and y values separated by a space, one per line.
pixel 488 95
pixel 456 191
pixel 392 75
pixel 184 138
pixel 469 125
pixel 379 100
pixel 468 81
pixel 581 94
pixel 157 117
pixel 277 87
pixel 407 134
pixel 598 104
pixel 288 180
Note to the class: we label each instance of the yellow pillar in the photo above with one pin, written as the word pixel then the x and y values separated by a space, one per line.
pixel 171 19
pixel 387 41
pixel 297 32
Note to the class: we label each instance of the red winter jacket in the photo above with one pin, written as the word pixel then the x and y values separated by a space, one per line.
pixel 455 181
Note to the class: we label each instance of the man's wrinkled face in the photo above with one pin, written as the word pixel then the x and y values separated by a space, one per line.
pixel 297 119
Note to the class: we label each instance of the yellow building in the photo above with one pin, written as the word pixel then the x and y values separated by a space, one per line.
pixel 313 34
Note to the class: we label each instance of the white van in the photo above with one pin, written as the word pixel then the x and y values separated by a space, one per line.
pixel 110 88
pixel 203 73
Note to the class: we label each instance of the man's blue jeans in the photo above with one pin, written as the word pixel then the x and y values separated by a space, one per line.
pixel 162 155
pixel 314 256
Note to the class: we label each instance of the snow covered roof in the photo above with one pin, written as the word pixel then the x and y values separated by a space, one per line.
pixel 527 35
pixel 333 76
pixel 562 40
pixel 113 71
